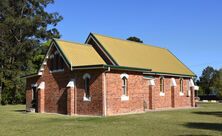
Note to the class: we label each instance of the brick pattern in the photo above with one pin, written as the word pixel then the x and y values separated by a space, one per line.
pixel 142 96
pixel 137 91
pixel 95 106
pixel 70 101
pixel 55 93
pixel 57 98
pixel 41 100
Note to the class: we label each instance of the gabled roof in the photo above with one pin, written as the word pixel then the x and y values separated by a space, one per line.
pixel 133 54
pixel 79 54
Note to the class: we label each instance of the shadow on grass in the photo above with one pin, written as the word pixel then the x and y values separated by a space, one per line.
pixel 214 113
pixel 206 126
pixel 20 111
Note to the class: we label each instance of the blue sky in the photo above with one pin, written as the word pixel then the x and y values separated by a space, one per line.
pixel 191 29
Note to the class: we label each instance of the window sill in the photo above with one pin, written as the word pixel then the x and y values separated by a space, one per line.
pixel 57 70
pixel 124 98
pixel 87 99
pixel 181 94
pixel 162 94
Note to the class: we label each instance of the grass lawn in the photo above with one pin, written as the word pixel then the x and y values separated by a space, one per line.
pixel 206 120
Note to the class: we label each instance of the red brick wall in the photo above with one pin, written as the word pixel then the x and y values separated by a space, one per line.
pixel 55 93
pixel 162 101
pixel 95 106
pixel 29 82
pixel 166 101
pixel 138 92
pixel 56 90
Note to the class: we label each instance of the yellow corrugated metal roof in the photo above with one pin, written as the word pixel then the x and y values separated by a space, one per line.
pixel 79 54
pixel 133 54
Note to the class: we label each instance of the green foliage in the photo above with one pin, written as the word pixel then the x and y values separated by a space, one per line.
pixel 206 80
pixel 135 39
pixel 24 26
pixel 218 83
pixel 210 82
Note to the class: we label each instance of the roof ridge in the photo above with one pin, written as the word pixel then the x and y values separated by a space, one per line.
pixel 84 44
pixel 154 46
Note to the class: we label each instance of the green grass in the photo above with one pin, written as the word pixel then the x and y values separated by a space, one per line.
pixel 206 120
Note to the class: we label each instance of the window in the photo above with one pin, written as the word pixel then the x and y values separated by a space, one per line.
pixel 124 78
pixel 124 86
pixel 162 85
pixel 56 62
pixel 86 96
pixel 181 85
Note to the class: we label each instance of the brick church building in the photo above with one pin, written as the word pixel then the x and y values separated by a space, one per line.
pixel 108 76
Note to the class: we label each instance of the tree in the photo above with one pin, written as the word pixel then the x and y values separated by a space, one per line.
pixel 217 83
pixel 24 25
pixel 135 39
pixel 206 80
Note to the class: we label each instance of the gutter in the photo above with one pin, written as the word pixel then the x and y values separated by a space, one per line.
pixel 168 74
pixel 103 66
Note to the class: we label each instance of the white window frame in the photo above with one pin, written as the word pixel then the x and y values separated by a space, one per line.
pixel 125 94
pixel 33 85
pixel 86 75
pixel 162 91
pixel 181 87
pixel 53 56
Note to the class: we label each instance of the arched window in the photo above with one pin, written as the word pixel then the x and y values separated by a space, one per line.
pixel 124 86
pixel 86 78
pixel 56 62
pixel 181 85
pixel 51 62
pixel 124 77
pixel 87 93
pixel 162 85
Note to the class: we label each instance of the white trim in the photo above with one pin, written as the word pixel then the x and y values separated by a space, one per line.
pixel 42 69
pixel 189 93
pixel 196 87
pixel 40 73
pixel 44 62
pixel 57 70
pixel 86 99
pixel 124 75
pixel 173 82
pixel 191 83
pixel 151 82
pixel 124 98
pixel 162 94
pixel 181 94
pixel 34 85
pixel 86 75
pixel 41 85
pixel 71 83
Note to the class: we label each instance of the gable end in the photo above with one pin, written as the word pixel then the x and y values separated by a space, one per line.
pixel 101 50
